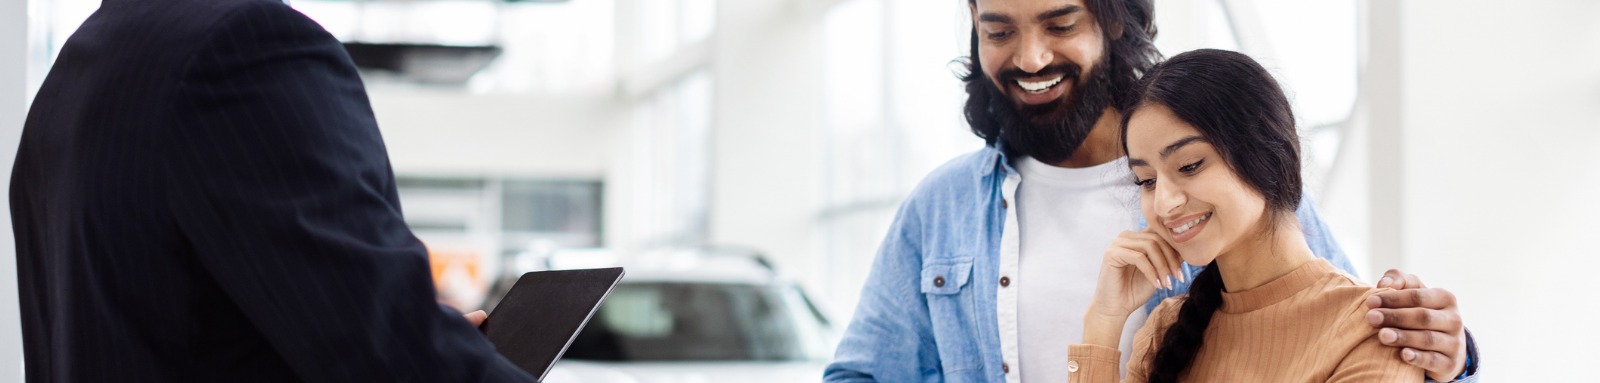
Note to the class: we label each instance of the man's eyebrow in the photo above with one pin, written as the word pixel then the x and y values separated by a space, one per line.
pixel 991 17
pixel 1058 12
pixel 1178 145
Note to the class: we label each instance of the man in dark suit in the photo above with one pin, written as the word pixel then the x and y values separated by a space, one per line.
pixel 201 194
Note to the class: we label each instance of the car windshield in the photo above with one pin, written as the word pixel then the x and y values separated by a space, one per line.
pixel 703 322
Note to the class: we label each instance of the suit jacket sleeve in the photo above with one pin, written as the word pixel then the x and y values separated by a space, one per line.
pixel 279 180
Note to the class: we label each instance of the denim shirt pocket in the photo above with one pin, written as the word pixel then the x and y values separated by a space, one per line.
pixel 951 309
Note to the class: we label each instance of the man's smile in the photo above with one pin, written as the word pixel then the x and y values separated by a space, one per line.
pixel 1040 90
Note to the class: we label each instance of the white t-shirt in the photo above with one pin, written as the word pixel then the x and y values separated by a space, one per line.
pixel 1066 220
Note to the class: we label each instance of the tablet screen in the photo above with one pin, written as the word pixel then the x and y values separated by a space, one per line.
pixel 536 321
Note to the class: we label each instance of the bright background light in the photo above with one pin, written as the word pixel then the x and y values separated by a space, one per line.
pixel 1447 138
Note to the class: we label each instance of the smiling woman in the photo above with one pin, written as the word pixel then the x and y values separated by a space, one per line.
pixel 1212 143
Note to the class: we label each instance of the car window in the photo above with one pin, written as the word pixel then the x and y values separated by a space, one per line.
pixel 702 322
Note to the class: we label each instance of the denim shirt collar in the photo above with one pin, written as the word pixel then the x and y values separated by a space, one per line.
pixel 994 157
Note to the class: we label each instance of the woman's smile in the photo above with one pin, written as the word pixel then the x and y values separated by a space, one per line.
pixel 1185 228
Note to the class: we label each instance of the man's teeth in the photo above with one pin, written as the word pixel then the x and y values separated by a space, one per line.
pixel 1191 224
pixel 1038 87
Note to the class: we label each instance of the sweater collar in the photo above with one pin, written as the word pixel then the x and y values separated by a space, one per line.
pixel 1277 290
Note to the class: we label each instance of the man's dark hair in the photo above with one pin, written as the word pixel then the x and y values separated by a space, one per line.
pixel 1129 29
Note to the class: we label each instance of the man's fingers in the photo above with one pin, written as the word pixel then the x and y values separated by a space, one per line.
pixel 1439 367
pixel 1412 282
pixel 476 318
pixel 1390 278
pixel 1437 299
pixel 1422 340
pixel 1422 320
pixel 1415 319
pixel 1398 280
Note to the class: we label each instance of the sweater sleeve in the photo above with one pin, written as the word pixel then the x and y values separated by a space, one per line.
pixel 1088 363
pixel 1370 360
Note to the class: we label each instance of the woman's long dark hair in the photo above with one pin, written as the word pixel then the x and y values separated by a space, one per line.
pixel 1239 109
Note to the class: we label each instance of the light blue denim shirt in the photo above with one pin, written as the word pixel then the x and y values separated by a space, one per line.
pixel 927 311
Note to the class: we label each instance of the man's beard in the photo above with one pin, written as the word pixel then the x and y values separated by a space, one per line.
pixel 1050 132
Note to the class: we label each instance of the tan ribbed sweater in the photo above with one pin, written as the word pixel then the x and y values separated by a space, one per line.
pixel 1306 326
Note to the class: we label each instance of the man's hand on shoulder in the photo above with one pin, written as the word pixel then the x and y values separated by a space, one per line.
pixel 1423 322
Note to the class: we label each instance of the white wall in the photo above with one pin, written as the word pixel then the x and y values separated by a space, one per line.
pixel 436 132
pixel 1501 117
pixel 453 132
pixel 765 155
pixel 13 92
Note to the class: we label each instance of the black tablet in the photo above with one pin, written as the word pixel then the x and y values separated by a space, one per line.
pixel 536 321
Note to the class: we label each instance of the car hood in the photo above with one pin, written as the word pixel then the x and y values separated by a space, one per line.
pixel 686 372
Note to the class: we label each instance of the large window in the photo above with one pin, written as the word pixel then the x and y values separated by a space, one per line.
pixel 1311 47
pixel 892 112
pixel 661 165
pixel 665 165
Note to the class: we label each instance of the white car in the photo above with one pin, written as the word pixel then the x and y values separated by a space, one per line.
pixel 700 319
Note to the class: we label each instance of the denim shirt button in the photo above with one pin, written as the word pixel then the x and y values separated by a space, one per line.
pixel 1004 367
pixel 1005 281
pixel 1004 204
pixel 938 281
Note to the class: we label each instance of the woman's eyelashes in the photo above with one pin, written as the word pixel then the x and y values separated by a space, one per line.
pixel 1187 170
pixel 1192 167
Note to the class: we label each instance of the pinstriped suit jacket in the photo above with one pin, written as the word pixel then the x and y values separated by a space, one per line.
pixel 201 194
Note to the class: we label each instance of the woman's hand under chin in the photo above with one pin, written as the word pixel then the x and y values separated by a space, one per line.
pixel 1135 266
